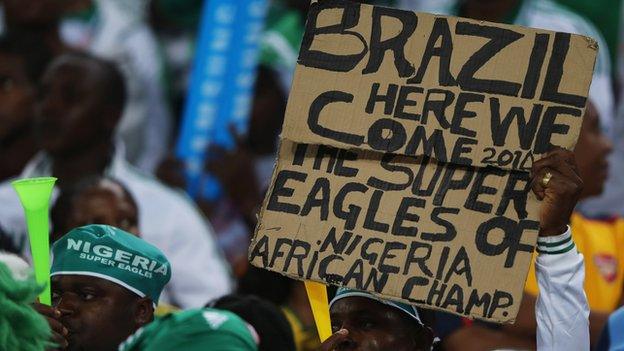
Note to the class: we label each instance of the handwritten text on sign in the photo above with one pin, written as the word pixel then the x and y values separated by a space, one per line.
pixel 405 150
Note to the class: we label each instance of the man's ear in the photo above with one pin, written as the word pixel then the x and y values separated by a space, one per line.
pixel 143 312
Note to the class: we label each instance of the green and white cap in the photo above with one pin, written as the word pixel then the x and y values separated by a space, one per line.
pixel 194 330
pixel 112 254
pixel 410 310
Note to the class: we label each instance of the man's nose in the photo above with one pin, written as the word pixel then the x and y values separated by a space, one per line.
pixel 67 304
pixel 349 342
pixel 607 144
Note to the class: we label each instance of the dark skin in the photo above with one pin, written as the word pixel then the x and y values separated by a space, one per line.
pixel 17 95
pixel 93 314
pixel 39 19
pixel 106 203
pixel 488 10
pixel 364 324
pixel 75 122
pixel 590 154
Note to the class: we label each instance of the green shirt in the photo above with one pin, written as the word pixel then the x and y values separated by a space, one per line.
pixel 203 329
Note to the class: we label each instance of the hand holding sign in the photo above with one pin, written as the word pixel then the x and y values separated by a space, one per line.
pixel 557 183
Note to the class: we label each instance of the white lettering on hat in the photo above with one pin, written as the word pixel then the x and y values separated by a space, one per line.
pixel 121 258
pixel 103 251
pixel 140 261
pixel 73 244
pixel 162 270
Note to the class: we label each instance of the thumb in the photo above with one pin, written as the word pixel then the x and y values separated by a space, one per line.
pixel 333 341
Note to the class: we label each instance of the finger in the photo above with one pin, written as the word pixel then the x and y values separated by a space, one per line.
pixel 57 326
pixel 239 138
pixel 47 311
pixel 556 155
pixel 333 341
pixel 537 183
pixel 558 184
pixel 60 340
pixel 561 161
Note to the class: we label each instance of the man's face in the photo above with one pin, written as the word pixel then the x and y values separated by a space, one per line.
pixel 106 203
pixel 16 98
pixel 98 314
pixel 374 326
pixel 591 153
pixel 69 108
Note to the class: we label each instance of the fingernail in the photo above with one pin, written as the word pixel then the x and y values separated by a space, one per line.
pixel 342 332
pixel 65 331
pixel 57 312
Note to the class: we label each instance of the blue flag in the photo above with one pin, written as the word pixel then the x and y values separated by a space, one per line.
pixel 221 85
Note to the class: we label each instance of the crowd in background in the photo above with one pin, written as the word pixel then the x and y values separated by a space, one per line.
pixel 93 93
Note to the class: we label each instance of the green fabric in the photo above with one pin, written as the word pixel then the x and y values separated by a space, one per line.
pixel 282 37
pixel 21 327
pixel 604 14
pixel 110 253
pixel 193 330
pixel 184 13
pixel 346 292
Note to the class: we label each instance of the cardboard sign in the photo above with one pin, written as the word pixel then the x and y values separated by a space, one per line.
pixel 403 167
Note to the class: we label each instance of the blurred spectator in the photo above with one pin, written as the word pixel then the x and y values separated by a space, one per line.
pixel 37 20
pixel 175 23
pixel 195 330
pixel 81 101
pixel 245 172
pixel 21 327
pixel 94 200
pixel 266 318
pixel 120 32
pixel 22 62
pixel 291 296
pixel 610 203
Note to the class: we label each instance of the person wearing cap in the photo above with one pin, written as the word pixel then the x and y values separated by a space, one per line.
pixel 361 321
pixel 203 329
pixel 105 285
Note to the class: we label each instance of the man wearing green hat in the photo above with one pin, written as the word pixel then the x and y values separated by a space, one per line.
pixel 105 285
